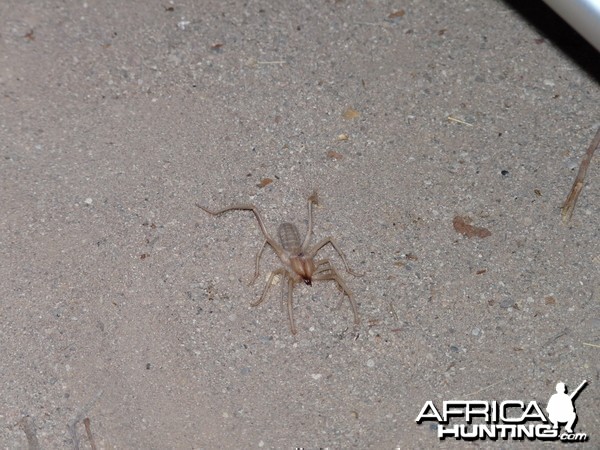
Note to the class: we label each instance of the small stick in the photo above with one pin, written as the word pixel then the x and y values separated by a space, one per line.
pixel 591 345
pixel 556 337
pixel 569 205
pixel 454 119
pixel 72 426
pixel 88 431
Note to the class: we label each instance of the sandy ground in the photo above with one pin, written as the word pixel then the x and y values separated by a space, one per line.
pixel 124 303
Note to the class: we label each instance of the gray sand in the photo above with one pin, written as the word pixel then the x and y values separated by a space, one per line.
pixel 124 303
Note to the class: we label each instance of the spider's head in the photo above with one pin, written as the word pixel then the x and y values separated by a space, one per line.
pixel 303 267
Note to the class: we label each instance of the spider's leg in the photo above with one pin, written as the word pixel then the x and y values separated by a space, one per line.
pixel 280 271
pixel 290 305
pixel 257 261
pixel 313 251
pixel 272 242
pixel 321 266
pixel 312 199
pixel 333 275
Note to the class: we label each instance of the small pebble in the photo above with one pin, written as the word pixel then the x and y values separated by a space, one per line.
pixel 370 363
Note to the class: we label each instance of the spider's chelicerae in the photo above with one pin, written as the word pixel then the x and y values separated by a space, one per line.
pixel 298 258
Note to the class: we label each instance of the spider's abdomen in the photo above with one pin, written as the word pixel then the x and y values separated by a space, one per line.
pixel 290 238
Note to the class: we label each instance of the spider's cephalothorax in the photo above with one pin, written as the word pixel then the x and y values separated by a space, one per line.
pixel 304 267
pixel 297 257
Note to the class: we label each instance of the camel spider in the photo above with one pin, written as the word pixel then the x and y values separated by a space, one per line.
pixel 297 258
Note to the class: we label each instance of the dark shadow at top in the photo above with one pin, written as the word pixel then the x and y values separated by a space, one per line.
pixel 553 28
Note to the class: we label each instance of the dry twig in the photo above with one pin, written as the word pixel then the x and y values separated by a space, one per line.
pixel 72 426
pixel 569 205
pixel 591 345
pixel 454 119
pixel 88 430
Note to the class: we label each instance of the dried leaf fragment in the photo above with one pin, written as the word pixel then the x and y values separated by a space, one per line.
pixel 342 137
pixel 217 47
pixel 350 113
pixel 461 226
pixel 264 182
pixel 396 14
pixel 332 154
